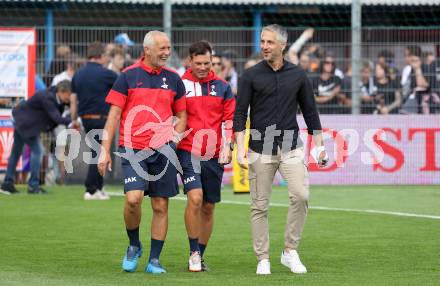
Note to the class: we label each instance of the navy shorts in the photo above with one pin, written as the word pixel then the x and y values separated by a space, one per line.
pixel 205 175
pixel 152 171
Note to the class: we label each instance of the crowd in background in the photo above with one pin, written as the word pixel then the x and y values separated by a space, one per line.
pixel 385 89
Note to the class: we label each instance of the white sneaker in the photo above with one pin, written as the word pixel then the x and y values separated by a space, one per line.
pixel 263 267
pixel 291 260
pixel 103 196
pixel 90 197
pixel 195 262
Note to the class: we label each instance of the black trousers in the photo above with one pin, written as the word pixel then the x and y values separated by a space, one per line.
pixel 94 180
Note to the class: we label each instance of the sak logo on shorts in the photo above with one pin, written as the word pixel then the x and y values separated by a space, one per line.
pixel 130 180
pixel 188 180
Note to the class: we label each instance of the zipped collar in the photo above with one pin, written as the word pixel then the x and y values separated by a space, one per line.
pixel 189 76
pixel 148 68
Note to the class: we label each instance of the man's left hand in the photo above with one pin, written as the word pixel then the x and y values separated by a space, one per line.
pixel 225 156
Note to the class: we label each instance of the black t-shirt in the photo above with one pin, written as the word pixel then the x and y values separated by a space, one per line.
pixel 429 74
pixel 386 93
pixel 273 98
pixel 326 87
pixel 434 70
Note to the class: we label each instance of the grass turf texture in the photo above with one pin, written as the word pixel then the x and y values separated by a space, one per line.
pixel 59 239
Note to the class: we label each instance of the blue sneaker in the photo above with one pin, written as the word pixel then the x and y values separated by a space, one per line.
pixel 155 267
pixel 130 261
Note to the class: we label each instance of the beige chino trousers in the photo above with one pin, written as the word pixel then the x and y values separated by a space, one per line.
pixel 262 169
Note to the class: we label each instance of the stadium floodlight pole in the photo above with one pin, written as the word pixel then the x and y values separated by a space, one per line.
pixel 356 38
pixel 167 18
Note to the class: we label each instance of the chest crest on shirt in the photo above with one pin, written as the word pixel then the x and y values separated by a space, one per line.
pixel 213 92
pixel 164 85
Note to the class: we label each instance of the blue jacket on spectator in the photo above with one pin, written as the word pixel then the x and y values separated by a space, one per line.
pixel 42 112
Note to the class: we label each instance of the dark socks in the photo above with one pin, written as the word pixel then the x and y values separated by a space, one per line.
pixel 193 244
pixel 155 248
pixel 133 236
pixel 202 248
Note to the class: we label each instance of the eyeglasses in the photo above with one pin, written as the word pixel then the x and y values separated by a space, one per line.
pixel 329 62
pixel 216 64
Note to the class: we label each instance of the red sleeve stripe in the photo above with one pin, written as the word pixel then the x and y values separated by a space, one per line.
pixel 116 98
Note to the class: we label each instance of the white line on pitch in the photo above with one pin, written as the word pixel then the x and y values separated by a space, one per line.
pixel 118 194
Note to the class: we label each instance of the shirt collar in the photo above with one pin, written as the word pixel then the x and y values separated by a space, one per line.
pixel 148 69
pixel 280 69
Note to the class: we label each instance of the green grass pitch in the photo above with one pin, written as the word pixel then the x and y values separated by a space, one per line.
pixel 59 239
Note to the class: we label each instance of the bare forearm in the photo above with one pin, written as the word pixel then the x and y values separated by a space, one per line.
pixel 239 139
pixel 396 102
pixel 420 79
pixel 110 127
pixel 73 107
pixel 181 122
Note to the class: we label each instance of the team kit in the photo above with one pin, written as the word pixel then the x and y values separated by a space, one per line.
pixel 170 124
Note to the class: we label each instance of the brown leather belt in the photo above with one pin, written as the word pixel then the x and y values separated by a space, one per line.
pixel 93 116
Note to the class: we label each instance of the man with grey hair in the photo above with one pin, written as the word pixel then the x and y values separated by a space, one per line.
pixel 273 89
pixel 146 94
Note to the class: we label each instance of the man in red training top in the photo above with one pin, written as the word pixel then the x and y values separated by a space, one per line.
pixel 203 152
pixel 144 99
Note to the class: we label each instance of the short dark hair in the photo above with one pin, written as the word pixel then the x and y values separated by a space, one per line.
pixel 200 48
pixel 217 56
pixel 95 50
pixel 414 51
pixel 64 86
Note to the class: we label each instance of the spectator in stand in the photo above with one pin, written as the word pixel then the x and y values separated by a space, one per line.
pixel 428 58
pixel 295 48
pixel 368 89
pixel 229 73
pixel 117 59
pixel 304 62
pixel 123 40
pixel 316 54
pixel 387 97
pixel 327 87
pixel 419 78
pixel 108 50
pixel 253 60
pixel 58 64
pixel 406 72
pixel 217 65
pixel 184 65
pixel 386 59
pixel 73 62
pixel 435 88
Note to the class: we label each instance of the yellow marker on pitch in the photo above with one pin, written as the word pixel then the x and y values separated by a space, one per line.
pixel 240 176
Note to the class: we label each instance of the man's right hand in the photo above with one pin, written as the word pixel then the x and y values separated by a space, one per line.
pixel 104 162
pixel 242 159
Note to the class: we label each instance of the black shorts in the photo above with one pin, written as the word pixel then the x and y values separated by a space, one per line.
pixel 205 175
pixel 151 171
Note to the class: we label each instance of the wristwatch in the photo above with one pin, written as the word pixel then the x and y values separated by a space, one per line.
pixel 231 146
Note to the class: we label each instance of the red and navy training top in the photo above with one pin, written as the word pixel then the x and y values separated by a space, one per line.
pixel 210 104
pixel 148 98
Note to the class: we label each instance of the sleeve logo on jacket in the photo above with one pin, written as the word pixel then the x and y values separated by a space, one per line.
pixel 213 92
pixel 164 85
